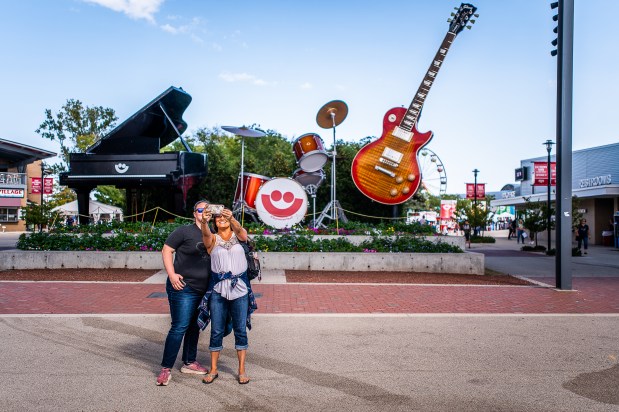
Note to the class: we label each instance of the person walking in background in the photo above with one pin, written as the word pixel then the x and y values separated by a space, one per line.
pixel 520 231
pixel 229 293
pixel 512 229
pixel 187 263
pixel 582 235
pixel 466 228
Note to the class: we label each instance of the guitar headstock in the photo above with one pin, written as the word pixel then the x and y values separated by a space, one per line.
pixel 462 17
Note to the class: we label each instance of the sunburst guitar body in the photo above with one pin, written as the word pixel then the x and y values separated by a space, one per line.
pixel 387 170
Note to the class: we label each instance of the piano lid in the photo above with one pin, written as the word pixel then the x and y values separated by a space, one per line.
pixel 149 129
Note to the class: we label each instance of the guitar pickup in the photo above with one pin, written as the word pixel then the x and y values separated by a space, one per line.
pixel 392 155
pixel 385 171
pixel 388 162
pixel 402 134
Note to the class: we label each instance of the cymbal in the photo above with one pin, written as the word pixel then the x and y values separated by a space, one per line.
pixel 335 107
pixel 244 131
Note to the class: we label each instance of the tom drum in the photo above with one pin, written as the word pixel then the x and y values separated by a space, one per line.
pixel 310 152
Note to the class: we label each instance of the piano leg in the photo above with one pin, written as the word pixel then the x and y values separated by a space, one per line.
pixel 83 203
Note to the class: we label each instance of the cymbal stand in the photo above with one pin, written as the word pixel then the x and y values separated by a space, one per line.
pixel 333 210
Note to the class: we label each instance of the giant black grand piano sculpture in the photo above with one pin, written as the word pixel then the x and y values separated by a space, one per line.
pixel 129 157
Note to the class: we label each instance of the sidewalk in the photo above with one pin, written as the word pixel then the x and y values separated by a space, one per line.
pixel 96 346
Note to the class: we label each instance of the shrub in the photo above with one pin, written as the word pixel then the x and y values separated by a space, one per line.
pixel 482 239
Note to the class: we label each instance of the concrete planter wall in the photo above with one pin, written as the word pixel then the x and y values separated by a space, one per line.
pixel 466 263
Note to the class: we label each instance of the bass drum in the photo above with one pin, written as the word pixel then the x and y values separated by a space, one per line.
pixel 307 179
pixel 310 152
pixel 281 203
pixel 251 185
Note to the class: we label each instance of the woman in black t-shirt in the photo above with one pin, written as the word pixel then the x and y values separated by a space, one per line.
pixel 187 263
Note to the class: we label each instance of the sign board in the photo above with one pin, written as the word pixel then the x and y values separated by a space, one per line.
pixel 11 192
pixel 520 174
pixel 36 185
pixel 540 170
pixel 48 185
pixel 470 190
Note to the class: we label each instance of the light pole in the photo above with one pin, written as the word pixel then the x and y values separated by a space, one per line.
pixel 475 171
pixel 548 144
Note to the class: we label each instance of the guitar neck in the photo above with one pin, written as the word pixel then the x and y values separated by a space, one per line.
pixel 414 110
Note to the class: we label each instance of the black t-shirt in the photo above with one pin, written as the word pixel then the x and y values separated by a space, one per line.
pixel 583 231
pixel 191 259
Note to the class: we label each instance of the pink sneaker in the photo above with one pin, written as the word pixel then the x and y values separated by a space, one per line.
pixel 164 377
pixel 194 368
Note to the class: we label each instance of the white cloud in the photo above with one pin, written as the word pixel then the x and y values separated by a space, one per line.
pixel 306 86
pixel 242 77
pixel 135 9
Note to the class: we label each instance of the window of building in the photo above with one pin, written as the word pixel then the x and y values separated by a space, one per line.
pixel 8 214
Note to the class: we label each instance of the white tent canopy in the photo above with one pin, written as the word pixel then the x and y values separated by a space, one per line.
pixel 97 211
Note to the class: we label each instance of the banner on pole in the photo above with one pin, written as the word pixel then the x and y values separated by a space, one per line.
pixel 540 170
pixel 48 185
pixel 36 185
pixel 470 190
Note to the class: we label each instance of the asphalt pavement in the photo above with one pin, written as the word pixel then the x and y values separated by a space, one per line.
pixel 412 360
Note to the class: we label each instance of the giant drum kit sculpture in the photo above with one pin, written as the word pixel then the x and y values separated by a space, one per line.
pixel 282 202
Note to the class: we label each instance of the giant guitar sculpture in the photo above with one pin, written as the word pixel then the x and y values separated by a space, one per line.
pixel 387 170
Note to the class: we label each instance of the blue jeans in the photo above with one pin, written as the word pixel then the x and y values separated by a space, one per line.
pixel 184 312
pixel 583 240
pixel 220 308
pixel 519 237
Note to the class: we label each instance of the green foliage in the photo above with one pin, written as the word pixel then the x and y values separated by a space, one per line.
pixel 110 195
pixel 477 216
pixel 407 244
pixel 134 236
pixel 482 239
pixel 535 218
pixel 75 127
pixel 39 216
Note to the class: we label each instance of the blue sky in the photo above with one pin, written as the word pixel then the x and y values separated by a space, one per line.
pixel 275 63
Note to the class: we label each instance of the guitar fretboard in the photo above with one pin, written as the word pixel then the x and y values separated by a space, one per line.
pixel 412 114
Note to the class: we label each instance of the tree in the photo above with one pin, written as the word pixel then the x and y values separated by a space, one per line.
pixel 40 216
pixel 75 127
pixel 535 218
pixel 478 217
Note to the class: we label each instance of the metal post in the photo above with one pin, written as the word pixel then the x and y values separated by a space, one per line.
pixel 42 192
pixel 563 197
pixel 548 144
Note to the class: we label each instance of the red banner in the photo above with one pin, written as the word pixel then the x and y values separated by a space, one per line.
pixel 48 185
pixel 540 171
pixel 35 185
pixel 470 190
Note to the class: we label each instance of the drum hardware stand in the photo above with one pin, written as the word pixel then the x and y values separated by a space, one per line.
pixel 311 190
pixel 243 132
pixel 326 119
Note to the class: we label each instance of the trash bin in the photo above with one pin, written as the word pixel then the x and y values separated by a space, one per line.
pixel 607 238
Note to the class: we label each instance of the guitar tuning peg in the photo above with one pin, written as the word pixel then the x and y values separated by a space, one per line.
pixel 449 20
pixel 468 27
pixel 453 14
pixel 476 15
pixel 472 21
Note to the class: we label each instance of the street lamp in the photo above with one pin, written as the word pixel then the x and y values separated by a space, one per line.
pixel 548 144
pixel 475 171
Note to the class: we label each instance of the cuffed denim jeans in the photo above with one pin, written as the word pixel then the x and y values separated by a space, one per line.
pixel 220 307
pixel 184 312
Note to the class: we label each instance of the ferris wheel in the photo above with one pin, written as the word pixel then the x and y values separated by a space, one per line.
pixel 433 175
